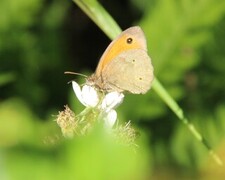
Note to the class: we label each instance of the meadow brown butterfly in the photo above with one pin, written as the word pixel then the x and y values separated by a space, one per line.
pixel 125 65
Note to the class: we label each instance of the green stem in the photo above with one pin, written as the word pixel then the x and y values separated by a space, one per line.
pixel 160 90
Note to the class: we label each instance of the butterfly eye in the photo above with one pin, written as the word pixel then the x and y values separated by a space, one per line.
pixel 129 40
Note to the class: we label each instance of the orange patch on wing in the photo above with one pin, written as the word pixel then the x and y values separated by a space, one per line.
pixel 115 48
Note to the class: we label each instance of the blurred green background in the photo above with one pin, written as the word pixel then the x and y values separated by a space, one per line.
pixel 40 39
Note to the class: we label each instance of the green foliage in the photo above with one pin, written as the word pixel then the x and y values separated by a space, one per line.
pixel 176 32
pixel 26 156
pixel 27 48
pixel 102 158
pixel 185 41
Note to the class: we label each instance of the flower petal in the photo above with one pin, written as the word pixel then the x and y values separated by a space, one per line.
pixel 87 96
pixel 77 91
pixel 90 96
pixel 110 118
pixel 112 100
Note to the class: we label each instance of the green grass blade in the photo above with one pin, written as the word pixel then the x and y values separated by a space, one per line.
pixel 100 16
pixel 160 90
pixel 105 22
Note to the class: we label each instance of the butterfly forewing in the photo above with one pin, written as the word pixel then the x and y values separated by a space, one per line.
pixel 130 71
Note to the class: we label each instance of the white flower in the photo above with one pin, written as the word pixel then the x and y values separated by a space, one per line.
pixel 88 96
pixel 112 100
pixel 110 118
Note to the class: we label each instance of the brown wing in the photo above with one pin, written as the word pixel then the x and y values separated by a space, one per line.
pixel 130 71
pixel 120 44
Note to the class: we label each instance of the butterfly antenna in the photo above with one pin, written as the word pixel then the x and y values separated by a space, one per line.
pixel 69 72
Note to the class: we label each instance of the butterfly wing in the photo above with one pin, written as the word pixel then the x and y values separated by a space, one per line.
pixel 120 44
pixel 130 71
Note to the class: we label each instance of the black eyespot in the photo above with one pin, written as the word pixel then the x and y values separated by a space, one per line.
pixel 133 60
pixel 140 78
pixel 129 40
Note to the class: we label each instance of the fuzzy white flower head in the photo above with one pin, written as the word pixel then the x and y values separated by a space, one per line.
pixel 88 96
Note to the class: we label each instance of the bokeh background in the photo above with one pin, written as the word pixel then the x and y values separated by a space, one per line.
pixel 40 39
